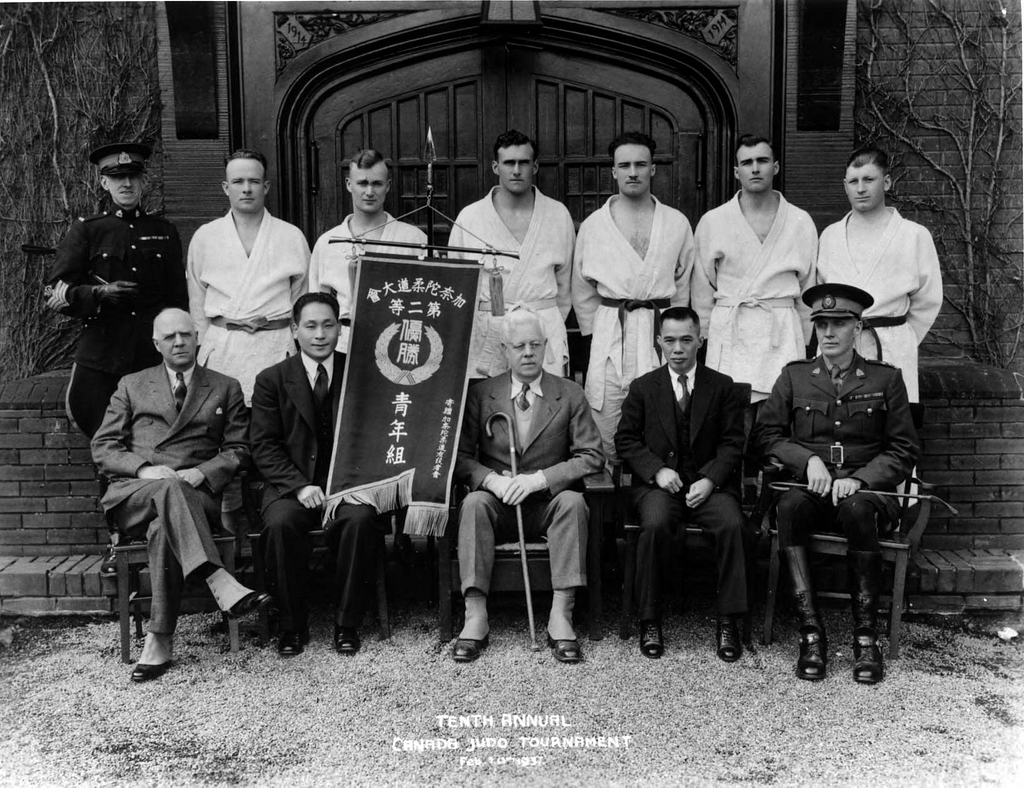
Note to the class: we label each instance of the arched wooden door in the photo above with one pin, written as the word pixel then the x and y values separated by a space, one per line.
pixel 573 106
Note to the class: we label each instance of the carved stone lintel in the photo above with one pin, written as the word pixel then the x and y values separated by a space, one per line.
pixel 297 32
pixel 717 28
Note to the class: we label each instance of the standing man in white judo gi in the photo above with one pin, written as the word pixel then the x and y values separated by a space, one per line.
pixel 244 271
pixel 514 216
pixel 755 256
pixel 892 258
pixel 332 268
pixel 634 256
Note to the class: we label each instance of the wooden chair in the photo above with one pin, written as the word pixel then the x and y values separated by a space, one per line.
pixel 898 550
pixel 252 499
pixel 508 574
pixel 131 558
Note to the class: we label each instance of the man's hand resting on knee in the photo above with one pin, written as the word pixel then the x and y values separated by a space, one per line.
pixel 311 496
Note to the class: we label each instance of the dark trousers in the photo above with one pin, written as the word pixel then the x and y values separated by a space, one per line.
pixel 175 519
pixel 661 515
pixel 88 395
pixel 860 518
pixel 355 537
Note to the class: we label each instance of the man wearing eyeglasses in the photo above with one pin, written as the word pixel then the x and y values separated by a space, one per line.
pixel 558 444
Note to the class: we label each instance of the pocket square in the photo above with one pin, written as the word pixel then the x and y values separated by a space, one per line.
pixel 219 411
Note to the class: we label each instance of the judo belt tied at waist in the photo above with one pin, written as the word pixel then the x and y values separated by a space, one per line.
pixel 768 304
pixel 624 305
pixel 252 324
pixel 512 306
pixel 871 323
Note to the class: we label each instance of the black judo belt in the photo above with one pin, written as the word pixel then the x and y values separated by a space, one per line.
pixel 871 323
pixel 624 305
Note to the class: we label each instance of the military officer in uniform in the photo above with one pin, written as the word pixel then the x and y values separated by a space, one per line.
pixel 842 424
pixel 116 270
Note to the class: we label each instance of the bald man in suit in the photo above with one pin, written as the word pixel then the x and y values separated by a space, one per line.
pixel 173 436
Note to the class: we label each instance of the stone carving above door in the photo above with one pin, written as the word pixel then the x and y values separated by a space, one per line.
pixel 297 32
pixel 717 28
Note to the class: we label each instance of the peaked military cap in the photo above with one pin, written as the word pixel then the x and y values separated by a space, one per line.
pixel 836 300
pixel 121 158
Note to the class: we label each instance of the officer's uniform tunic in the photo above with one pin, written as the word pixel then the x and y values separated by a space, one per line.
pixel 116 245
pixel 870 421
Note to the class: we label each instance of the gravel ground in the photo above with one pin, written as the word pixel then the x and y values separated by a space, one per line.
pixel 951 712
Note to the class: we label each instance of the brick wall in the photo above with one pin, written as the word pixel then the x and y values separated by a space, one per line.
pixel 973 447
pixel 48 484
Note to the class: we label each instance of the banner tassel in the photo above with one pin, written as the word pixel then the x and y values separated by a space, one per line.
pixel 497 286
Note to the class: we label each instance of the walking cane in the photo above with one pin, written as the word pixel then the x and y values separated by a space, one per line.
pixel 783 486
pixel 519 518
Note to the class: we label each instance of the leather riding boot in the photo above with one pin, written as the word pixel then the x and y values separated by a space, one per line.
pixel 865 577
pixel 813 642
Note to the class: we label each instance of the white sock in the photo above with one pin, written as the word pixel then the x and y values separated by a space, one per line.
pixel 477 626
pixel 560 620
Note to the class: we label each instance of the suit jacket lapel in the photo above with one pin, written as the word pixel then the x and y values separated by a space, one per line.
pixel 501 402
pixel 160 391
pixel 198 391
pixel 297 385
pixel 545 408
pixel 665 399
pixel 700 401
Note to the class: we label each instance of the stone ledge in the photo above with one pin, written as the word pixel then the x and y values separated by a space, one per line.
pixel 944 378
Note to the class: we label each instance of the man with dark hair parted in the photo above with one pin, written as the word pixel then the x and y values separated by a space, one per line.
pixel 634 256
pixel 294 410
pixel 515 216
pixel 755 255
pixel 681 434
pixel 874 248
pixel 332 267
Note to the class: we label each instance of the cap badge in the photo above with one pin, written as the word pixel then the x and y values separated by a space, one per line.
pixel 124 158
pixel 828 302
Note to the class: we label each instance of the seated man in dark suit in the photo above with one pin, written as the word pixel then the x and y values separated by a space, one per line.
pixel 173 436
pixel 294 410
pixel 558 444
pixel 842 423
pixel 681 433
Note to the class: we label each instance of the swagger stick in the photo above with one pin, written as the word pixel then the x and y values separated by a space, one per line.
pixel 519 518
pixel 783 486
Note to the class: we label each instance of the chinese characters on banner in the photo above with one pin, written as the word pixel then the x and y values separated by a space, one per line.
pixel 404 388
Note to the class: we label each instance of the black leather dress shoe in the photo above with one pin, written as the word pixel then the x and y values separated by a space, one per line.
pixel 143 672
pixel 250 603
pixel 289 644
pixel 566 650
pixel 652 645
pixel 729 645
pixel 346 640
pixel 468 650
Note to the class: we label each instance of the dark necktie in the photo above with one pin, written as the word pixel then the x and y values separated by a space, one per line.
pixel 837 378
pixel 321 388
pixel 684 395
pixel 521 401
pixel 180 390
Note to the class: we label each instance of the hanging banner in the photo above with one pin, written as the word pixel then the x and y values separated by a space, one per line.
pixel 404 388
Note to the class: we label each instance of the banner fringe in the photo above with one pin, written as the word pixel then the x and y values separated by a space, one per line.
pixel 387 496
pixel 426 519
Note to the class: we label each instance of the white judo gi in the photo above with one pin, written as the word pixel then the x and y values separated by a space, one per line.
pixel 607 272
pixel 332 269
pixel 539 280
pixel 226 284
pixel 747 293
pixel 905 280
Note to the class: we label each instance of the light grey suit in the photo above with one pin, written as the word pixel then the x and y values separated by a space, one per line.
pixel 143 427
pixel 563 442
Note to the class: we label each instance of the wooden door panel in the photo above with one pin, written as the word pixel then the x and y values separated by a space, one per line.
pixel 573 106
